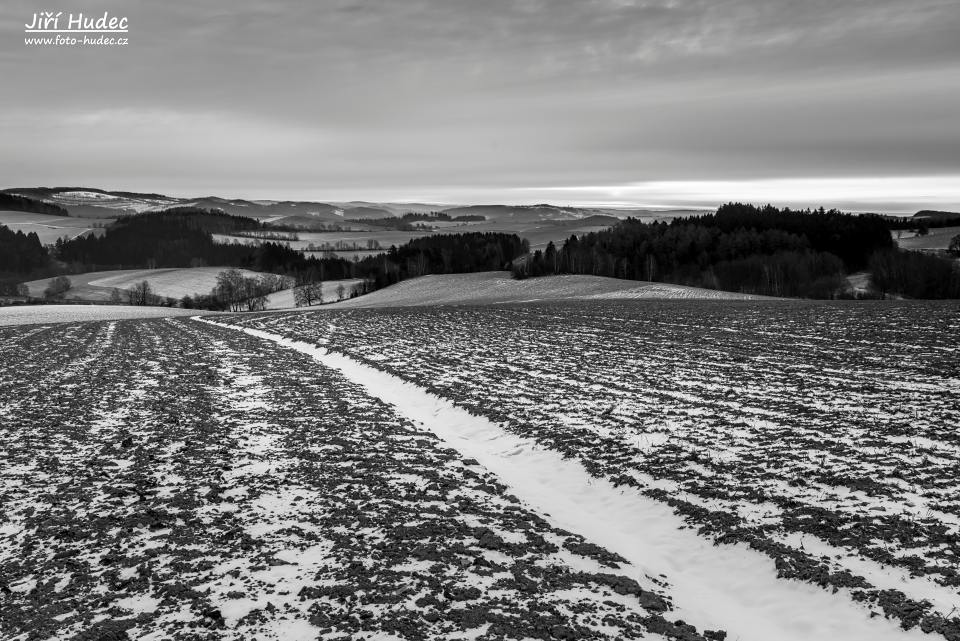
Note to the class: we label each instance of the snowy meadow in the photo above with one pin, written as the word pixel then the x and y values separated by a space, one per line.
pixel 565 470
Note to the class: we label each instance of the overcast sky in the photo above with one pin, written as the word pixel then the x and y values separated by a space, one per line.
pixel 659 102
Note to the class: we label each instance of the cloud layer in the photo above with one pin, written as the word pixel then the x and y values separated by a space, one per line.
pixel 451 99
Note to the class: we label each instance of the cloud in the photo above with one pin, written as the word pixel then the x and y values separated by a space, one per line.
pixel 460 94
pixel 903 193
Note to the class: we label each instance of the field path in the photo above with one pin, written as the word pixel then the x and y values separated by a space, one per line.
pixel 730 586
pixel 187 481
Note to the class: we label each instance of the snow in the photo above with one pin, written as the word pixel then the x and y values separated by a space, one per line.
pixel 113 201
pixel 284 299
pixel 174 282
pixel 30 314
pixel 731 587
pixel 139 603
pixel 47 227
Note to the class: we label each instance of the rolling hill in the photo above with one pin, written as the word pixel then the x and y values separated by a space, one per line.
pixel 170 283
pixel 484 288
pixel 91 202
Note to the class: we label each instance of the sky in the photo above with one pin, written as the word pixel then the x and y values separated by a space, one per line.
pixel 656 103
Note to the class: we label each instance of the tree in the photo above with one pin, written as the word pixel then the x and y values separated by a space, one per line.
pixel 141 294
pixel 230 288
pixel 954 247
pixel 914 275
pixel 115 297
pixel 255 292
pixel 57 287
pixel 306 294
pixel 341 290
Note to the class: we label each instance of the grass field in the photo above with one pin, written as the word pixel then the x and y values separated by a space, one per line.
pixel 499 287
pixel 172 283
pixel 935 239
pixel 48 228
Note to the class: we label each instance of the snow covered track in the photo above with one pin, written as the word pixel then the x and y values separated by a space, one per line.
pixel 168 479
pixel 823 435
pixel 731 587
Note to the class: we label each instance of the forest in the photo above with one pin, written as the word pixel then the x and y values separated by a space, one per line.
pixel 19 254
pixel 12 202
pixel 444 254
pixel 925 220
pixel 412 221
pixel 756 250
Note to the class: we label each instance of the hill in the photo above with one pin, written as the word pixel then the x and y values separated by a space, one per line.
pixel 519 213
pixel 91 202
pixel 15 202
pixel 47 227
pixel 284 299
pixel 938 216
pixel 168 283
pixel 485 288
pixel 937 239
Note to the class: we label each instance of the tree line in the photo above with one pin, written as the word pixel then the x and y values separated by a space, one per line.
pixel 408 221
pixel 20 255
pixel 914 274
pixel 443 254
pixel 744 248
pixel 13 202
pixel 924 220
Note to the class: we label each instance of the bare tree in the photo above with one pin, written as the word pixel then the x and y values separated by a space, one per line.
pixel 341 290
pixel 255 292
pixel 306 294
pixel 57 287
pixel 141 294
pixel 230 288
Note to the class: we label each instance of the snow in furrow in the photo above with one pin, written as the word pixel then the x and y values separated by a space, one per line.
pixel 729 586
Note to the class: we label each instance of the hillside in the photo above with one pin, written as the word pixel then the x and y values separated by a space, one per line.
pixel 48 228
pixel 284 299
pixel 938 216
pixel 169 283
pixel 935 239
pixel 521 213
pixel 497 287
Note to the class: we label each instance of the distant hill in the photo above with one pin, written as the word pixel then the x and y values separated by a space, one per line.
pixel 518 213
pixel 395 209
pixel 596 220
pixel 364 212
pixel 95 203
pixel 16 202
pixel 938 216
